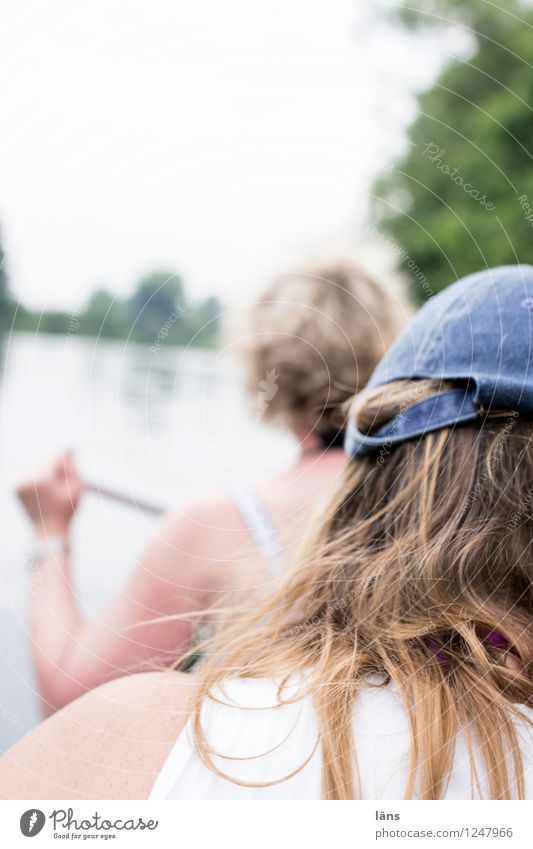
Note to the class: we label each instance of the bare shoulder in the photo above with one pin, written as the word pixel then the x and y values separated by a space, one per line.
pixel 208 534
pixel 196 524
pixel 108 744
pixel 215 512
pixel 194 545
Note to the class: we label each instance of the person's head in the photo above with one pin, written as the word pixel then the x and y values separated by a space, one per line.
pixel 420 571
pixel 313 341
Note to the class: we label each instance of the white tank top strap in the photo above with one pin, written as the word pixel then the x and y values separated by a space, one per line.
pixel 260 526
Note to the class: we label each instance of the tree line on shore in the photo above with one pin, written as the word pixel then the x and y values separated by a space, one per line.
pixel 159 309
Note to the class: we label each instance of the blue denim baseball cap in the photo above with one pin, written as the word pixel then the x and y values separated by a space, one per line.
pixel 478 333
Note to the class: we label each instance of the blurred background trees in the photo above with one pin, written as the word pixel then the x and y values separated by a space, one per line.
pixel 158 305
pixel 460 197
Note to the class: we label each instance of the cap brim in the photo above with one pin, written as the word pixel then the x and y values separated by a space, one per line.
pixel 446 409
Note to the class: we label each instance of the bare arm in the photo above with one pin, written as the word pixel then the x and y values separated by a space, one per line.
pixel 71 655
pixel 110 744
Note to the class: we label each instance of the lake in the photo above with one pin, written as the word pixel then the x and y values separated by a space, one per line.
pixel 163 426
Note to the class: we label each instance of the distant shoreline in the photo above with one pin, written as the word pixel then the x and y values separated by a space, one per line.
pixel 130 340
pixel 116 340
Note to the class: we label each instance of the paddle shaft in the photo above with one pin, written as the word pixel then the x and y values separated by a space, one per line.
pixel 123 498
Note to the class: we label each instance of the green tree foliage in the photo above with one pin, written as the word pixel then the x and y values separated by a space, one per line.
pixel 158 313
pixel 156 300
pixel 461 198
pixel 103 316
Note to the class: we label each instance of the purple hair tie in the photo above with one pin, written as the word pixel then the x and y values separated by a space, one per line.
pixel 493 638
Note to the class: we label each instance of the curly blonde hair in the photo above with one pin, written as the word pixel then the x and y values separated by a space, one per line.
pixel 315 338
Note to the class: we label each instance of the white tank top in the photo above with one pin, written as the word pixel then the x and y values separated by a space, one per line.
pixel 261 742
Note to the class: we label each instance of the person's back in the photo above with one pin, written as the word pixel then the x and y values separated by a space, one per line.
pixel 311 341
pixel 253 530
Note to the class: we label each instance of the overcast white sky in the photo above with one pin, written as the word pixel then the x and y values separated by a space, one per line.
pixel 221 139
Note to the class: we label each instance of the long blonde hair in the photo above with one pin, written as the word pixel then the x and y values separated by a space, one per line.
pixel 423 546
